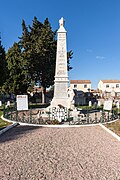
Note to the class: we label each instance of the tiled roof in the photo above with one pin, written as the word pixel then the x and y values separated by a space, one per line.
pixel 110 81
pixel 96 91
pixel 80 82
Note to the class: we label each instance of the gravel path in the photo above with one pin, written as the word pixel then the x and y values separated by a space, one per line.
pixel 84 153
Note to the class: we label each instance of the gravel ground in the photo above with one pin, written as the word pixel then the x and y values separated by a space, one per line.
pixel 83 153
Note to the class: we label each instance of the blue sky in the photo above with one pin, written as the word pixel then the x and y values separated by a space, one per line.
pixel 93 32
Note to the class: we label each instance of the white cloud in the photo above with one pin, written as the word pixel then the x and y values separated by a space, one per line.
pixel 100 57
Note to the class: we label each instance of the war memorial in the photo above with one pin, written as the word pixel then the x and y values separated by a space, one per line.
pixel 88 150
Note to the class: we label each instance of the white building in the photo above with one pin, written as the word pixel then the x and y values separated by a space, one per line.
pixel 110 87
pixel 81 85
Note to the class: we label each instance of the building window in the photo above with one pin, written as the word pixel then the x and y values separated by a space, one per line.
pixel 85 85
pixel 107 85
pixel 117 85
pixel 75 86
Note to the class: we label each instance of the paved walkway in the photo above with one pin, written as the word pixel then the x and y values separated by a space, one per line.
pixel 84 153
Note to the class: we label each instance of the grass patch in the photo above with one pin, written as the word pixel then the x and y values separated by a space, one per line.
pixel 2 122
pixel 115 127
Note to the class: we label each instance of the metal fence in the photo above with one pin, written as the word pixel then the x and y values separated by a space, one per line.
pixel 39 116
pixel 94 118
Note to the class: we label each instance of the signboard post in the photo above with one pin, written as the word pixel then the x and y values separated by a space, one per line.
pixel 22 102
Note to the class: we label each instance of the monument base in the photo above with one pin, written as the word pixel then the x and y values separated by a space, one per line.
pixel 60 102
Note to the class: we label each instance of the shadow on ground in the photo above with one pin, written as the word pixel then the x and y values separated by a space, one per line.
pixel 16 132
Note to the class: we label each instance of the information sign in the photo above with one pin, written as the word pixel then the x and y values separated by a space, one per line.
pixel 108 105
pixel 22 102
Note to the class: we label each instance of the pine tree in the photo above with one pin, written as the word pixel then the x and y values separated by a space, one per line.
pixel 49 45
pixel 3 64
pixel 39 48
pixel 17 81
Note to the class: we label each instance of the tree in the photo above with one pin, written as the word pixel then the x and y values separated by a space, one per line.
pixel 46 46
pixel 3 64
pixel 69 57
pixel 17 81
pixel 39 44
pixel 39 47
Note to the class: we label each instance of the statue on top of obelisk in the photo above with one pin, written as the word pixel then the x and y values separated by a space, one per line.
pixel 61 22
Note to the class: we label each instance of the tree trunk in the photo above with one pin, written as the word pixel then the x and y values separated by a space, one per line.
pixel 43 95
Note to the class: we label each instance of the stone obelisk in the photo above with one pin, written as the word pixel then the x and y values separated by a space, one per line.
pixel 61 73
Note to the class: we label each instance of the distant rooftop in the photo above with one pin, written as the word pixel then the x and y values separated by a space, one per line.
pixel 110 81
pixel 80 81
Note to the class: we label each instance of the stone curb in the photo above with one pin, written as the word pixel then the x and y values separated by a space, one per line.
pixel 111 132
pixel 8 127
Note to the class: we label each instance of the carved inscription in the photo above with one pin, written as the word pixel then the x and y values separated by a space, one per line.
pixel 61 35
pixel 61 54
